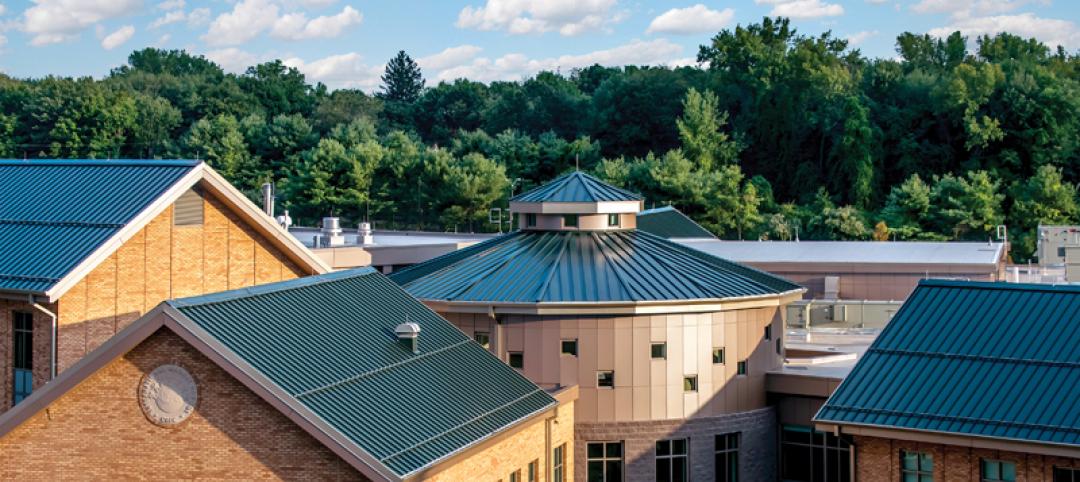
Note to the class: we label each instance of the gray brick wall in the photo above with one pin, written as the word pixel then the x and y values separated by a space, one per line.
pixel 757 450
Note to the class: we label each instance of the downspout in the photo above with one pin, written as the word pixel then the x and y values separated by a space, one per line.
pixel 52 339
pixel 548 449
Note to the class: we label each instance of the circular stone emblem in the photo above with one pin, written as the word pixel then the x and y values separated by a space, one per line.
pixel 168 395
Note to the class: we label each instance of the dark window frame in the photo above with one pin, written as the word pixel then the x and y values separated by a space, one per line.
pixel 510 359
pixel 726 456
pixel 690 383
pixel 768 332
pixel 570 220
pixel 558 463
pixel 722 355
pixel 920 472
pixel 663 350
pixel 606 385
pixel 742 369
pixel 985 464
pixel 22 359
pixel 1066 474
pixel 613 220
pixel 563 344
pixel 487 337
pixel 530 220
pixel 606 460
pixel 672 458
pixel 814 455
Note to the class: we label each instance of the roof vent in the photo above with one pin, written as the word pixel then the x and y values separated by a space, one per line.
pixel 365 234
pixel 331 233
pixel 408 335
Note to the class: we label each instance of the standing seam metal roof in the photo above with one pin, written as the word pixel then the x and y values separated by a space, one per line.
pixel 576 187
pixel 583 266
pixel 972 358
pixel 668 222
pixel 53 214
pixel 328 341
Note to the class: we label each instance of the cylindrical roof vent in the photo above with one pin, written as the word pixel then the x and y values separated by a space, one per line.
pixel 408 335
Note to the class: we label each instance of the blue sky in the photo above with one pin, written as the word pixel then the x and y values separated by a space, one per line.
pixel 344 43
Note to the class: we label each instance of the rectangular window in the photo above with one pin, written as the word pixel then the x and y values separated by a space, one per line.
pixel 768 332
pixel 558 464
pixel 727 457
pixel 780 346
pixel 613 220
pixel 742 368
pixel 807 455
pixel 530 220
pixel 23 348
pixel 671 460
pixel 658 351
pixel 689 383
pixel 569 220
pixel 569 347
pixel 188 209
pixel 916 466
pixel 515 476
pixel 1064 474
pixel 533 471
pixel 998 470
pixel 605 379
pixel 604 461
pixel 483 338
pixel 517 359
pixel 718 356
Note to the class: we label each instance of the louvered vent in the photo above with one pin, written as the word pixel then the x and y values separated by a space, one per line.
pixel 188 209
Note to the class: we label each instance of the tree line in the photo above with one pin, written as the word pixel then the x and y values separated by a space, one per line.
pixel 774 135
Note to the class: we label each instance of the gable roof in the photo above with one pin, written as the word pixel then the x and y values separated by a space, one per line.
pixel 668 222
pixel 581 266
pixel 322 349
pixel 978 359
pixel 575 187
pixel 60 218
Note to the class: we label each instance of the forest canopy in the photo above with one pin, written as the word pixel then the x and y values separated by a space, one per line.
pixel 774 135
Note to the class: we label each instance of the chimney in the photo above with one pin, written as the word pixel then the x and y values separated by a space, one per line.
pixel 408 335
pixel 268 199
pixel 365 234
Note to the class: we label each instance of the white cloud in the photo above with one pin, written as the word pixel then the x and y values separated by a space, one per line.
pixel 232 59
pixel 860 37
pixel 318 3
pixel 799 9
pixel 340 71
pixel 198 16
pixel 695 19
pixel 877 2
pixel 245 21
pixel 1050 31
pixel 450 57
pixel 3 9
pixel 296 26
pixel 117 38
pixel 53 21
pixel 164 39
pixel 171 5
pixel 971 8
pixel 568 17
pixel 169 17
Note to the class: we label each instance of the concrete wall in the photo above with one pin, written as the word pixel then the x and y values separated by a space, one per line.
pixel 757 444
pixel 878 460
pixel 98 431
pixel 873 282
pixel 159 262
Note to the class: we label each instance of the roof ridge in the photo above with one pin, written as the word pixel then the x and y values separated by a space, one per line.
pixel 381 369
pixel 101 162
pixel 1000 285
pixel 985 358
pixel 278 286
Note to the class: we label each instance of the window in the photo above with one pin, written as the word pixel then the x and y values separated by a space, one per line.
pixel 530 220
pixel 998 470
pixel 718 356
pixel 533 471
pixel 807 455
pixel 658 350
pixel 916 467
pixel 483 338
pixel 727 457
pixel 605 379
pixel 23 348
pixel 188 209
pixel 604 461
pixel 569 220
pixel 768 332
pixel 558 464
pixel 671 460
pixel 780 346
pixel 741 369
pixel 689 383
pixel 515 476
pixel 569 347
pixel 517 359
pixel 1063 474
pixel 613 220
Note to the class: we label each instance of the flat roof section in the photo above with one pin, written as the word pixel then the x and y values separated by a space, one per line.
pixel 861 252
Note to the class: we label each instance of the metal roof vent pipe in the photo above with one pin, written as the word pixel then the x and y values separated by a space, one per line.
pixel 365 233
pixel 408 335
pixel 331 232
pixel 268 199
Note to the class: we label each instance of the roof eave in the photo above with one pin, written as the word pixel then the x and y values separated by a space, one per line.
pixel 618 307
pixel 949 438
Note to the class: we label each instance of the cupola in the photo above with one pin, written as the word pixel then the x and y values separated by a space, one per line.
pixel 576 202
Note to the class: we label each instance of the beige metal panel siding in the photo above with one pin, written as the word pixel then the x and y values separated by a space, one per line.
pixel 188 209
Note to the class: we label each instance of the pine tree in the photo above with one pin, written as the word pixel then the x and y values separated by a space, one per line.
pixel 402 80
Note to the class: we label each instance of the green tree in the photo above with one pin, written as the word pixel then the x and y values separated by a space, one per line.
pixel 402 80
pixel 701 134
pixel 966 207
pixel 1044 198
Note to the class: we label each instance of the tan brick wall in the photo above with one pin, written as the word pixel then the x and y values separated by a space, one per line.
pixel 98 431
pixel 878 460
pixel 159 262
pixel 495 462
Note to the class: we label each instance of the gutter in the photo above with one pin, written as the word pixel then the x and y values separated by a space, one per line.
pixel 52 337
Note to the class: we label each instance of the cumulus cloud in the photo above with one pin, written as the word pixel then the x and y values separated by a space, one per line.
pixel 860 37
pixel 198 16
pixel 245 21
pixel 1053 32
pixel 340 71
pixel 117 38
pixel 450 57
pixel 296 26
pixel 195 18
pixel 171 5
pixel 232 59
pixel 568 17
pixel 801 9
pixel 169 17
pixel 690 20
pixel 53 21
pixel 971 8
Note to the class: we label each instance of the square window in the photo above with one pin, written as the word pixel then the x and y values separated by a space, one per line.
pixel 658 350
pixel 998 471
pixel 530 219
pixel 483 338
pixel 916 466
pixel 569 347
pixel 689 383
pixel 569 220
pixel 517 359
pixel 613 220
pixel 605 379
pixel 742 369
pixel 768 332
pixel 604 461
pixel 718 356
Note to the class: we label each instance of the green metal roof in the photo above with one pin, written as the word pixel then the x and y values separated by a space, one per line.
pixel 328 341
pixel 997 360
pixel 53 214
pixel 581 266
pixel 575 187
pixel 668 222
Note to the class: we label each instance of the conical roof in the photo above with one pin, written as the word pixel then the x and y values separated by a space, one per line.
pixel 575 187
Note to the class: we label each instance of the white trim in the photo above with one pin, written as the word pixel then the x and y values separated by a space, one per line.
pixel 617 307
pixel 601 207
